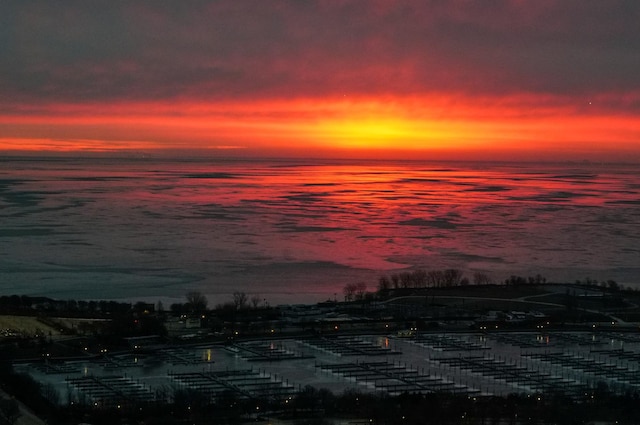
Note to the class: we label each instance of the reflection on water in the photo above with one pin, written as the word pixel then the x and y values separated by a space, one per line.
pixel 293 230
pixel 206 355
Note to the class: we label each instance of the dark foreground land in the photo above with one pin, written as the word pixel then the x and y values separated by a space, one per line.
pixel 521 353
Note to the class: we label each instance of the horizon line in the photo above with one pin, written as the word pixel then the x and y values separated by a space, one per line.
pixel 297 154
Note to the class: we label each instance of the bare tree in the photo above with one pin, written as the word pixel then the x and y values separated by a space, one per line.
pixel 196 301
pixel 360 289
pixel 419 278
pixel 405 279
pixel 255 301
pixel 384 284
pixel 349 291
pixel 435 278
pixel 239 300
pixel 452 277
pixel 395 280
pixel 482 279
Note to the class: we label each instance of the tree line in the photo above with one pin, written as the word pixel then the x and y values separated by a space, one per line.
pixel 431 279
pixel 420 279
pixel 22 303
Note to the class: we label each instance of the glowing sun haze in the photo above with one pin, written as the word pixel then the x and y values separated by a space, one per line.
pixel 458 79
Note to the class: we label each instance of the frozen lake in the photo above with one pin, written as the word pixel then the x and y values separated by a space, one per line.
pixel 297 231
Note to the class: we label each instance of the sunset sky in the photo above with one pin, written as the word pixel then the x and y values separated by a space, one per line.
pixel 503 79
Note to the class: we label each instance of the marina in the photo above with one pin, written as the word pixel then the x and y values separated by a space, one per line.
pixel 469 363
